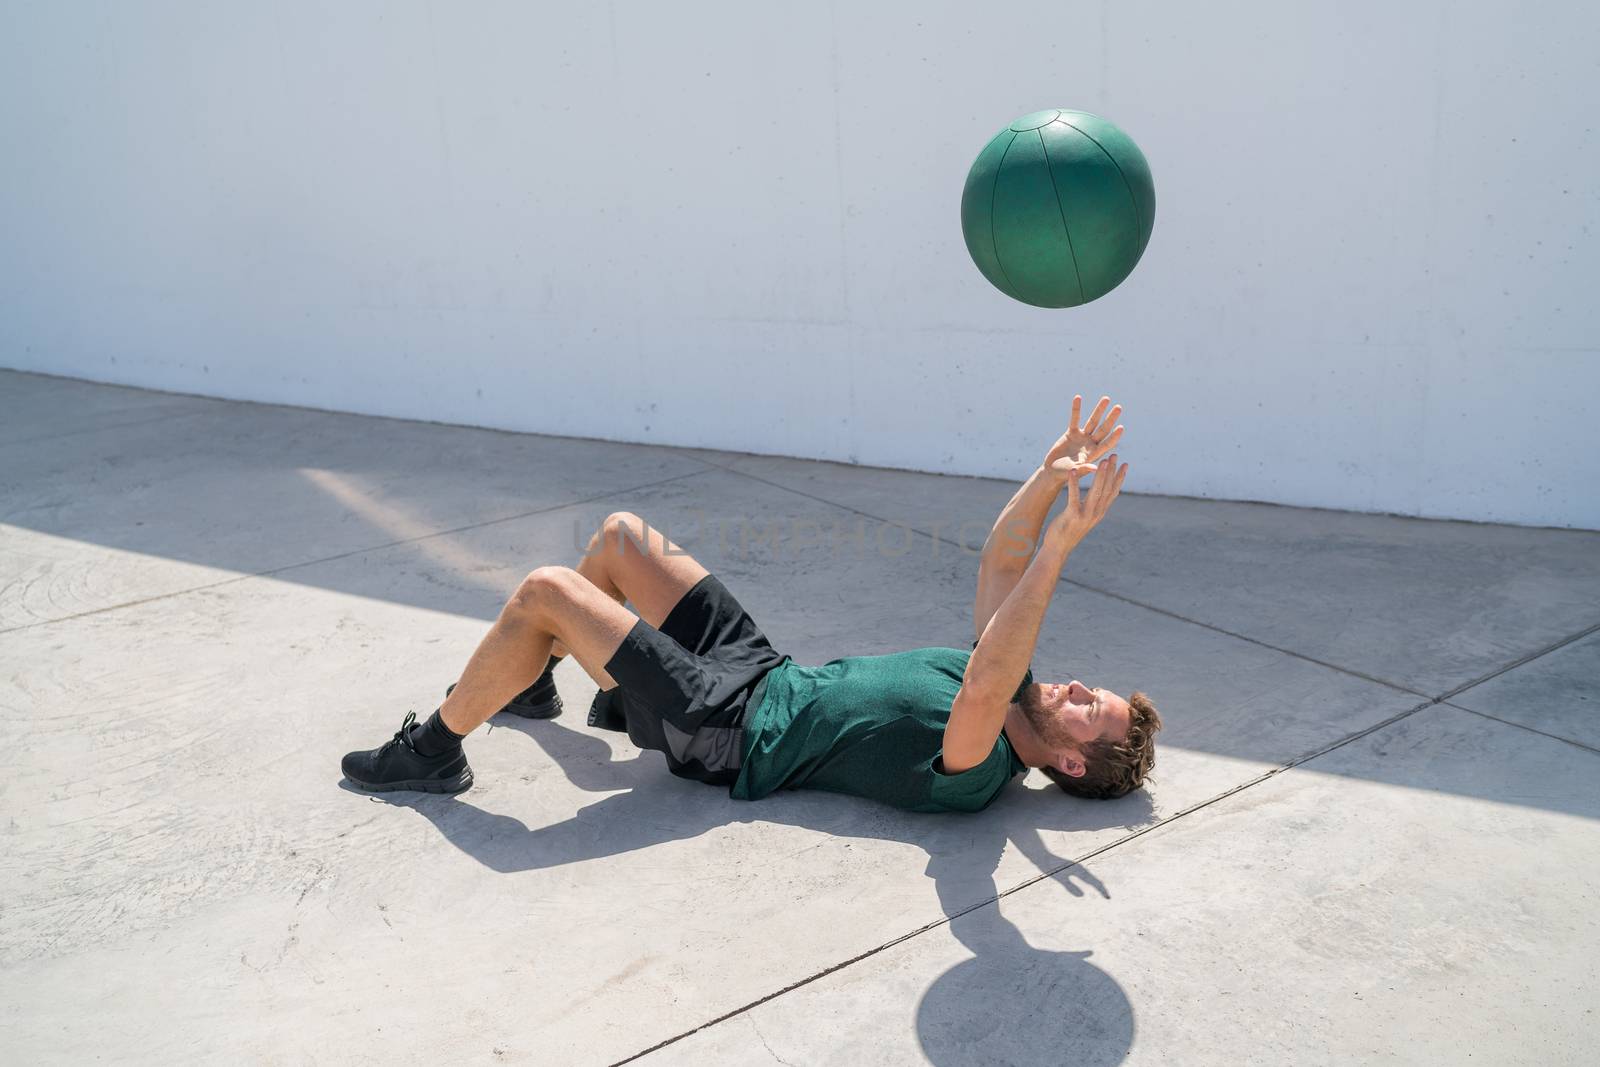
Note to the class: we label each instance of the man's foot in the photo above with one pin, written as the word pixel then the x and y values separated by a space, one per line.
pixel 396 764
pixel 539 701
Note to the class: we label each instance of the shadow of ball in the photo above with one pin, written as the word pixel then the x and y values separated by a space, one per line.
pixel 1026 1007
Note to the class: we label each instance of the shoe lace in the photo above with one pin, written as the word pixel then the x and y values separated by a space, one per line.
pixel 402 736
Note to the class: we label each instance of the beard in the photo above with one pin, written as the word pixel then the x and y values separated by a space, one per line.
pixel 1045 723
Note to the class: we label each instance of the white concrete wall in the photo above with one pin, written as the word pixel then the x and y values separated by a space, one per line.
pixel 1371 284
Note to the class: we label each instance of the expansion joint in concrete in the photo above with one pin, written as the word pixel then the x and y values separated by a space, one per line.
pixel 288 567
pixel 1299 761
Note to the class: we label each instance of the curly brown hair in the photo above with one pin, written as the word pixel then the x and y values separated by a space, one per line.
pixel 1114 768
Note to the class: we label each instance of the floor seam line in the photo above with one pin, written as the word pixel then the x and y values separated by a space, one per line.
pixel 338 413
pixel 1523 726
pixel 1351 671
pixel 102 428
pixel 1427 703
pixel 1522 662
pixel 1103 592
pixel 345 555
pixel 1214 628
pixel 1036 879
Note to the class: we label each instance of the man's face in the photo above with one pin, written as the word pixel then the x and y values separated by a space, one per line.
pixel 1070 715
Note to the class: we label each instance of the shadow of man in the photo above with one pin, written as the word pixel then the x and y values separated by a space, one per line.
pixel 648 806
pixel 1010 1003
pixel 1014 1003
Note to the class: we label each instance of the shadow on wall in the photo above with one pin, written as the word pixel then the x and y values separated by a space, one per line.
pixel 1011 1002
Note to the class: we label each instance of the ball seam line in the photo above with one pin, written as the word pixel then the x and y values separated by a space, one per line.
pixel 1138 209
pixel 1062 210
pixel 994 190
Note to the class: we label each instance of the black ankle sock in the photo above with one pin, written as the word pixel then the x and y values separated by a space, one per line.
pixel 546 682
pixel 434 738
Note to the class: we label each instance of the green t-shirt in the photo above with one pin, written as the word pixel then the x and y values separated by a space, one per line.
pixel 871 726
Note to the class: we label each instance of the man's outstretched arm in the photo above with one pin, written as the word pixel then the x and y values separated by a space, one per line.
pixel 1005 648
pixel 1010 544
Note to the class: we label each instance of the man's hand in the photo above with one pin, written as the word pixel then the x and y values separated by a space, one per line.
pixel 1085 510
pixel 1076 450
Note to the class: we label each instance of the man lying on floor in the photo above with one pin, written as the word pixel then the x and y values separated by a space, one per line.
pixel 692 675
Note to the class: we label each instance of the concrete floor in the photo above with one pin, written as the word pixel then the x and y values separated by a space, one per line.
pixel 1372 833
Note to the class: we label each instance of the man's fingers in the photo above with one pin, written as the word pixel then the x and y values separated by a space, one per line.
pixel 1077 409
pixel 1116 486
pixel 1094 416
pixel 1072 491
pixel 1105 446
pixel 1105 424
pixel 1103 481
pixel 1113 480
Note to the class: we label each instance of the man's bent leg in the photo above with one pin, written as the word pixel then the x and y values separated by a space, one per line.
pixel 627 559
pixel 551 604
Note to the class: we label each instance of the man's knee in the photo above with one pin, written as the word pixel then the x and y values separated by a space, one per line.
pixel 544 588
pixel 621 528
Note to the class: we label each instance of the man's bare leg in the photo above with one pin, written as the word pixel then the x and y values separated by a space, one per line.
pixel 551 603
pixel 552 607
pixel 630 561
pixel 627 561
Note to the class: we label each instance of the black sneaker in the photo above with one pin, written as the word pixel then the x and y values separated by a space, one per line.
pixel 396 764
pixel 539 701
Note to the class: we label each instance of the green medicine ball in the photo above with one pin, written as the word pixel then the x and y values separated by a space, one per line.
pixel 1058 208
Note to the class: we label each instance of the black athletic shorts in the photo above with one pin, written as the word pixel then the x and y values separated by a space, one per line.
pixel 683 689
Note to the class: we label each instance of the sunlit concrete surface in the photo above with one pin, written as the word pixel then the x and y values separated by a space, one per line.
pixel 1372 834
